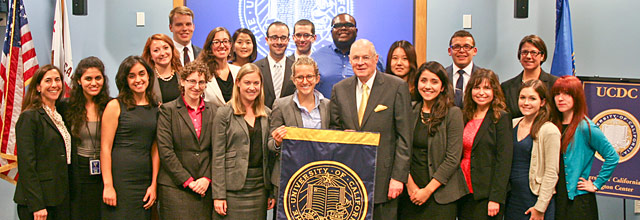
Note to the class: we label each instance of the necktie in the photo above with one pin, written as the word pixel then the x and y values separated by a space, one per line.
pixel 186 55
pixel 363 103
pixel 277 76
pixel 459 86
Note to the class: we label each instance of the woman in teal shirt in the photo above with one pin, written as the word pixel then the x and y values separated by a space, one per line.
pixel 581 138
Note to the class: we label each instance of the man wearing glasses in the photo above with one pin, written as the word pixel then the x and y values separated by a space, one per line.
pixel 462 48
pixel 304 35
pixel 276 68
pixel 333 59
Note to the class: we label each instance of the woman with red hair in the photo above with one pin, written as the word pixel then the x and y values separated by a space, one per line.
pixel 581 138
pixel 162 56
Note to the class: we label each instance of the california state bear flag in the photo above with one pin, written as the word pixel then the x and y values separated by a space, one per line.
pixel 61 44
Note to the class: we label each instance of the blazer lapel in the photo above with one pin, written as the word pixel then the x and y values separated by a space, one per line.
pixel 324 114
pixel 49 121
pixel 351 101
pixel 287 75
pixel 267 79
pixel 216 90
pixel 374 96
pixel 293 107
pixel 206 113
pixel 240 120
pixel 484 127
pixel 184 114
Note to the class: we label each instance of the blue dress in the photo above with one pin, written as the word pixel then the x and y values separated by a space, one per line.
pixel 520 197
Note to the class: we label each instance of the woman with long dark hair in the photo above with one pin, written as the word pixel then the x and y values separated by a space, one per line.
pixel 487 148
pixel 82 112
pixel 536 148
pixel 241 176
pixel 581 138
pixel 401 61
pixel 162 56
pixel 129 153
pixel 435 178
pixel 44 149
pixel 215 54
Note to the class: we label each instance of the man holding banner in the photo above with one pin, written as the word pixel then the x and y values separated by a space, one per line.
pixel 376 102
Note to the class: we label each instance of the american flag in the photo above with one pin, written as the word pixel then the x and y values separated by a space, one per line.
pixel 19 63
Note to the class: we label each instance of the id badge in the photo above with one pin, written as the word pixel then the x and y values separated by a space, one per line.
pixel 95 167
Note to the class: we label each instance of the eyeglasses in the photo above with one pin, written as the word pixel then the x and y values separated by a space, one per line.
pixel 217 42
pixel 193 82
pixel 457 47
pixel 303 36
pixel 280 38
pixel 343 25
pixel 533 53
pixel 310 78
pixel 359 58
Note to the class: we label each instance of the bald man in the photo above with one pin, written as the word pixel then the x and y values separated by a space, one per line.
pixel 377 102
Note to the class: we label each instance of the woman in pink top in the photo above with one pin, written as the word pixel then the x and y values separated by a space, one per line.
pixel 487 148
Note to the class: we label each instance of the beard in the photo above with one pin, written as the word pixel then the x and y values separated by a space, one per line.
pixel 344 45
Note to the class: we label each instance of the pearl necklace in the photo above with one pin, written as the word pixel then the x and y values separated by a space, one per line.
pixel 166 79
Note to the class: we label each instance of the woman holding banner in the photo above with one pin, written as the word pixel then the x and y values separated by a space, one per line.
pixel 240 156
pixel 435 178
pixel 536 148
pixel 581 138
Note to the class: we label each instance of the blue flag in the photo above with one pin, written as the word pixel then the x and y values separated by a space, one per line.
pixel 563 57
pixel 327 174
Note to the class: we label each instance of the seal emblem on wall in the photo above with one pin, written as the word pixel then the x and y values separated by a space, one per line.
pixel 256 15
pixel 621 129
pixel 325 190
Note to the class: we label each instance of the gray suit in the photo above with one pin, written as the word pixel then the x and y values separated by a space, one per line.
pixel 183 155
pixel 196 51
pixel 286 112
pixel 287 85
pixel 393 124
pixel 444 155
pixel 231 152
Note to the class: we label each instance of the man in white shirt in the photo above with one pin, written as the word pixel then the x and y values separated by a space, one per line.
pixel 462 49
pixel 276 68
pixel 181 25
pixel 304 35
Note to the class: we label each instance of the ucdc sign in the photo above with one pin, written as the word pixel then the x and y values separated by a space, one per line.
pixel 617 92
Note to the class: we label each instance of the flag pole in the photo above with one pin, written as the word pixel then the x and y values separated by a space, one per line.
pixel 6 83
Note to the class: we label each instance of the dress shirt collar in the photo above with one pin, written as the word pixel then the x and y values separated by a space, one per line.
pixel 369 82
pixel 317 96
pixel 467 70
pixel 272 61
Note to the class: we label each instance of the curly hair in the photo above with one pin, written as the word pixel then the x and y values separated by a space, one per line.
pixel 497 104
pixel 77 100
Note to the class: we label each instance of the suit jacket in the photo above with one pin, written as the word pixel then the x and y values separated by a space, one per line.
pixel 183 154
pixel 449 70
pixel 231 152
pixel 196 51
pixel 213 93
pixel 545 159
pixel 286 112
pixel 444 155
pixel 287 85
pixel 491 156
pixel 44 178
pixel 393 124
pixel 157 93
pixel 511 89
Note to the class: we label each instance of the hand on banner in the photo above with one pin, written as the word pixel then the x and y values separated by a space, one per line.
pixel 40 214
pixel 586 185
pixel 535 214
pixel 271 203
pixel 109 196
pixel 493 208
pixel 220 205
pixel 395 188
pixel 149 197
pixel 279 134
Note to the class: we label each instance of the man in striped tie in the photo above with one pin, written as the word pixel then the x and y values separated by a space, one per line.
pixel 462 49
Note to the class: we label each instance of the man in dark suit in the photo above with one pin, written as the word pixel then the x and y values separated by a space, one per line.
pixel 385 109
pixel 304 35
pixel 181 25
pixel 276 68
pixel 462 49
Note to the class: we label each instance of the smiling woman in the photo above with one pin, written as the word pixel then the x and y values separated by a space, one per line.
pixel 161 54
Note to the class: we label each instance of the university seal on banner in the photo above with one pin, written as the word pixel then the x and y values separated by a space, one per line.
pixel 256 15
pixel 621 129
pixel 325 190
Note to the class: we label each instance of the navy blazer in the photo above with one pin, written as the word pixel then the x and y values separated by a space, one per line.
pixel 44 178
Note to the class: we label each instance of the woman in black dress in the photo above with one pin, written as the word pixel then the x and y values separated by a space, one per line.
pixel 241 175
pixel 82 113
pixel 44 149
pixel 129 153
pixel 435 178
pixel 164 59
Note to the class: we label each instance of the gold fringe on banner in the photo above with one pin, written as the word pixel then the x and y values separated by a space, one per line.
pixel 332 136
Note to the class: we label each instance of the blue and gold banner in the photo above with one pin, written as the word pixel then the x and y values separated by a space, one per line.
pixel 327 174
pixel 614 106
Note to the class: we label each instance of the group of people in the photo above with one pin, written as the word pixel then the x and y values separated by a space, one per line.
pixel 199 131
